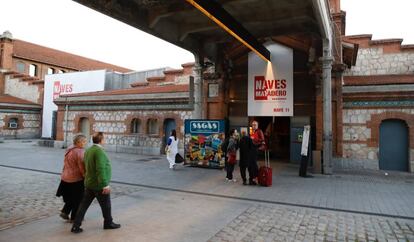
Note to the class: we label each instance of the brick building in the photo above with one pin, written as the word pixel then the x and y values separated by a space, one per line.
pixel 138 119
pixel 356 93
pixel 353 91
pixel 378 107
pixel 23 66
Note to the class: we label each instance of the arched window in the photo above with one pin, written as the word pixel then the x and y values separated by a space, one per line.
pixel 61 71
pixel 153 126
pixel 136 126
pixel 13 123
pixel 33 70
pixel 50 71
pixel 84 127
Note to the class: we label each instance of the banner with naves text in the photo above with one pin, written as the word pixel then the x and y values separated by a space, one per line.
pixel 270 84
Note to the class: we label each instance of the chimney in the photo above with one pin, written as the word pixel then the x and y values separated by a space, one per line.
pixel 6 51
pixel 335 6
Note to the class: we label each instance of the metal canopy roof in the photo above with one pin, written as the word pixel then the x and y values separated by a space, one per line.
pixel 179 23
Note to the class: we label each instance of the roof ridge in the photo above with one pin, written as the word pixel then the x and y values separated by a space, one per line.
pixel 385 41
pixel 109 65
pixel 359 36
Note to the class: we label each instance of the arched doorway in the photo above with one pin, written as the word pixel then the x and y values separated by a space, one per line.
pixel 169 125
pixel 393 145
pixel 85 127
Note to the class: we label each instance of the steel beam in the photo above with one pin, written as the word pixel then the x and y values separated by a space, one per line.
pixel 220 16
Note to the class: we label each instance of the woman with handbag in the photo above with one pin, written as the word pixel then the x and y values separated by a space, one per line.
pixel 71 185
pixel 231 155
pixel 172 148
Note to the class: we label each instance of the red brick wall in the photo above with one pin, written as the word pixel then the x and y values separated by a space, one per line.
pixel 41 67
pixel 335 6
pixel 60 123
pixel 6 52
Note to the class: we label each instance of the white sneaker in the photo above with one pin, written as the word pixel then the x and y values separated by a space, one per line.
pixel 227 179
pixel 234 180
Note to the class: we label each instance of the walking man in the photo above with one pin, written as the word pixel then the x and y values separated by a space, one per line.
pixel 97 177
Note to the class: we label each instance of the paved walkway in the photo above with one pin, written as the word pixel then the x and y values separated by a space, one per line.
pixel 284 223
pixel 27 196
pixel 191 204
pixel 373 193
pixel 159 215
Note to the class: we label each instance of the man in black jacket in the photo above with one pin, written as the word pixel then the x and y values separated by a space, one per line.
pixel 246 146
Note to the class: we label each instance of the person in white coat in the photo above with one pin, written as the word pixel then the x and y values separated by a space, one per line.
pixel 172 148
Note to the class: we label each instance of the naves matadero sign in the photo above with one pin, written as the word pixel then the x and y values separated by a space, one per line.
pixel 270 84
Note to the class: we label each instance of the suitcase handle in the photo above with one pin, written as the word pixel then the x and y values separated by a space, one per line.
pixel 267 158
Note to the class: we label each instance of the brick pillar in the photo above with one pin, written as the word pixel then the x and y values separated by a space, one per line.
pixel 335 6
pixel 2 83
pixel 6 51
pixel 60 122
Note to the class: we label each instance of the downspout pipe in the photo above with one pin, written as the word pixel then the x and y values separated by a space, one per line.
pixel 66 122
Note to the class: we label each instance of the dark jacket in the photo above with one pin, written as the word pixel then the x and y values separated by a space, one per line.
pixel 246 146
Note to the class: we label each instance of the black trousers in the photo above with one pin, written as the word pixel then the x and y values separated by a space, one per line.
pixel 229 169
pixel 72 194
pixel 252 169
pixel 303 166
pixel 104 201
pixel 243 173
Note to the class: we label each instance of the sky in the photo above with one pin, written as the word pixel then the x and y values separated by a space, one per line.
pixel 68 26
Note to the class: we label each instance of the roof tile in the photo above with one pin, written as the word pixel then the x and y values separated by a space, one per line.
pixel 140 90
pixel 55 57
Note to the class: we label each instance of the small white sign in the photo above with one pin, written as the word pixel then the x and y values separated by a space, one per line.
pixel 305 140
pixel 270 84
pixel 213 90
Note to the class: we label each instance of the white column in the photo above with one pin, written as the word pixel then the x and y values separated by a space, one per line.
pixel 198 91
pixel 327 107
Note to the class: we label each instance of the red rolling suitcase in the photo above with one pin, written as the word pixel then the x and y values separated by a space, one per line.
pixel 265 172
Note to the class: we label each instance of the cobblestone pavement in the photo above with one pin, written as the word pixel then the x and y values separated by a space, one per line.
pixel 27 196
pixel 284 223
pixel 360 191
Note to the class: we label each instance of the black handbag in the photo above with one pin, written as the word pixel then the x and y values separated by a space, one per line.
pixel 179 158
